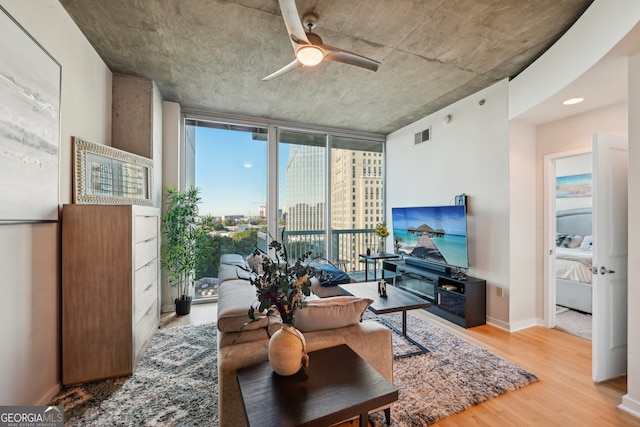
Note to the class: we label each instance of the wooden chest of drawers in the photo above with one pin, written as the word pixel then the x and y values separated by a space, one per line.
pixel 110 288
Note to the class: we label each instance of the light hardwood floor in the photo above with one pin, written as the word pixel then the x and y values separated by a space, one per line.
pixel 564 396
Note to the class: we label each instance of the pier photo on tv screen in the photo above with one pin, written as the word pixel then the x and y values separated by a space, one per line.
pixel 434 234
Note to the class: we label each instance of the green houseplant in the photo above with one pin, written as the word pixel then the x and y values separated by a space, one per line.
pixel 181 233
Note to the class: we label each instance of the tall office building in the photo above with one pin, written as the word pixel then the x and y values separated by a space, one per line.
pixel 355 194
pixel 305 180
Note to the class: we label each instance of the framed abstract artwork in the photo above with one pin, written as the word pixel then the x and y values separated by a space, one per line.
pixel 30 81
pixel 106 175
pixel 573 186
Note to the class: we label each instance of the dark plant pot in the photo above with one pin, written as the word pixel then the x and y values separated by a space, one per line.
pixel 183 306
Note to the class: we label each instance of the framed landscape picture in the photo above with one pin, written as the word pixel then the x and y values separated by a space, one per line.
pixel 573 186
pixel 29 127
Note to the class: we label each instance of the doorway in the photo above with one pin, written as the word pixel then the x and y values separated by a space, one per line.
pixel 570 210
pixel 608 244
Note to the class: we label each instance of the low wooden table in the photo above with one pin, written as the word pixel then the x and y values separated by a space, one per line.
pixel 397 300
pixel 337 385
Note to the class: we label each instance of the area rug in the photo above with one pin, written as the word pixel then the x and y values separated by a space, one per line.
pixel 455 375
pixel 174 384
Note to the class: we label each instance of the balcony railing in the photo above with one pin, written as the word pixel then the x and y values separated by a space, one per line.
pixel 346 245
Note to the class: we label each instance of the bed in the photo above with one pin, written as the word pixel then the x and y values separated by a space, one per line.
pixel 574 254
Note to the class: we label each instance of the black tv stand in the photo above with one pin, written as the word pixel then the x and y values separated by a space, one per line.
pixel 461 299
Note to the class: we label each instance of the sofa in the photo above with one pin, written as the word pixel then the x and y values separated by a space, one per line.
pixel 325 322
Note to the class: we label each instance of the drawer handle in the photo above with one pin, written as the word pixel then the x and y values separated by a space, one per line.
pixel 149 263
pixel 149 239
pixel 148 287
pixel 148 311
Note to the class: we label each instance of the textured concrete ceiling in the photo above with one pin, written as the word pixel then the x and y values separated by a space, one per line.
pixel 212 54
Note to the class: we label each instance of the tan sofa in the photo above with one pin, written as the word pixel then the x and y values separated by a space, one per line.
pixel 241 344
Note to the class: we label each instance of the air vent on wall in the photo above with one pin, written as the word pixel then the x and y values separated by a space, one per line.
pixel 423 136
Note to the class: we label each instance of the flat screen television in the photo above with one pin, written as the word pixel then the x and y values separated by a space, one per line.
pixel 432 235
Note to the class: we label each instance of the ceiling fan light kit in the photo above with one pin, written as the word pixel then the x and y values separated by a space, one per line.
pixel 310 55
pixel 308 46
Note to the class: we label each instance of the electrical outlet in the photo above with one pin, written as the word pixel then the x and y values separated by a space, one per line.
pixel 499 292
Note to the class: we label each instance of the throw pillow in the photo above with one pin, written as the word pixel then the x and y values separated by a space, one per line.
pixel 331 313
pixel 233 259
pixel 338 277
pixel 255 261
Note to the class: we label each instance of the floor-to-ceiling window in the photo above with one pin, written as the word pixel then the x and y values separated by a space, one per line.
pixel 231 173
pixel 357 198
pixel 323 189
pixel 302 191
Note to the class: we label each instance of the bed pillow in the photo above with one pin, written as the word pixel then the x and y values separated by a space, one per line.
pixel 331 313
pixel 560 238
pixel 575 241
pixel 587 243
pixel 571 241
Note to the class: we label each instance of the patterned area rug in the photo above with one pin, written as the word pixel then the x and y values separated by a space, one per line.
pixel 453 376
pixel 175 384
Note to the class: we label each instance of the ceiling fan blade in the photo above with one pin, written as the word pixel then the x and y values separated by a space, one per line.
pixel 293 23
pixel 284 70
pixel 338 55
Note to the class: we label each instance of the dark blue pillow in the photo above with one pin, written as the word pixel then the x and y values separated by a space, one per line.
pixel 338 277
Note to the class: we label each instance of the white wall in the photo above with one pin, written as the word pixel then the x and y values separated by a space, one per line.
pixel 468 155
pixel 30 254
pixel 597 31
pixel 522 230
pixel 631 402
pixel 172 176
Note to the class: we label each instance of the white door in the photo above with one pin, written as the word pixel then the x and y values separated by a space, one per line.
pixel 610 167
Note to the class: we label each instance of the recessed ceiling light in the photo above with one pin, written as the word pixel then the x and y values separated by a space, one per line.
pixel 573 101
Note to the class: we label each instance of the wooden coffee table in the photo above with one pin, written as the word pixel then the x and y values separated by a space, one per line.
pixel 397 300
pixel 337 385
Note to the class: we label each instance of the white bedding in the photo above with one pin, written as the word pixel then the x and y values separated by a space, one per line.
pixel 573 264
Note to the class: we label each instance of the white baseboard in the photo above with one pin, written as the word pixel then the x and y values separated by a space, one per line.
pixel 523 324
pixel 630 406
pixel 49 394
pixel 498 323
pixel 509 327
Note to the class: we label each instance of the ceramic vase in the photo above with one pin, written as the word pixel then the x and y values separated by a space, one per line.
pixel 287 351
pixel 381 246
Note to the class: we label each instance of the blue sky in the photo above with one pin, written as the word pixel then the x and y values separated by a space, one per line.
pixel 231 171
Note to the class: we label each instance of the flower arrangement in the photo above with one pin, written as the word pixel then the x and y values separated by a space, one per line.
pixel 282 286
pixel 382 229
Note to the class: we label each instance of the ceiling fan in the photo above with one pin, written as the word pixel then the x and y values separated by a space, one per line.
pixel 308 47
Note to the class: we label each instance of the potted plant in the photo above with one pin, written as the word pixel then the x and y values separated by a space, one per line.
pixel 180 246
